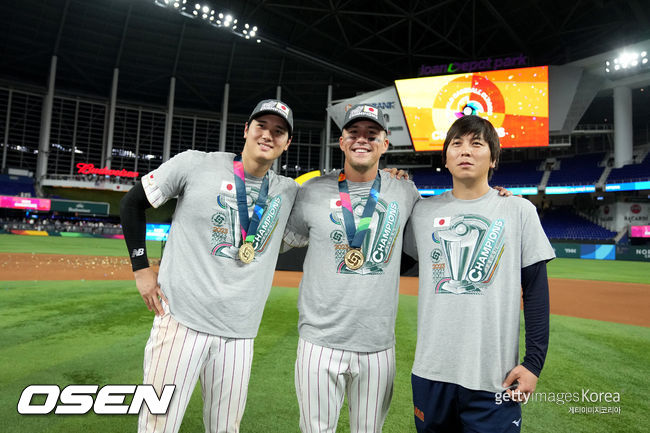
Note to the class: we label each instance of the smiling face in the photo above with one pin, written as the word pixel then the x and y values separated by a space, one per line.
pixel 469 158
pixel 266 137
pixel 363 143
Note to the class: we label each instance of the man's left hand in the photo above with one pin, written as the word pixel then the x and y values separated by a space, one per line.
pixel 399 174
pixel 502 191
pixel 527 382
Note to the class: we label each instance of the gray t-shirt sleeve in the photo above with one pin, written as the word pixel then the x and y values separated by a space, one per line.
pixel 410 247
pixel 296 233
pixel 415 194
pixel 535 245
pixel 168 180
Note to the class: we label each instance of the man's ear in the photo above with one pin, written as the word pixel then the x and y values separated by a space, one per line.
pixel 386 144
pixel 245 129
pixel 286 146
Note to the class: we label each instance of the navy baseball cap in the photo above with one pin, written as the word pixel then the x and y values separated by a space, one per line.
pixel 273 106
pixel 364 112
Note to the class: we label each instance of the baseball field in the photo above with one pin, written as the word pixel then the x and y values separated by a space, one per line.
pixel 69 314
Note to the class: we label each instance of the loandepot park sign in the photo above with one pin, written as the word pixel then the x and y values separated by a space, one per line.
pixel 474 65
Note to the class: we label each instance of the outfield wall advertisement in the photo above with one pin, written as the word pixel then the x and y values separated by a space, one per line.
pixel 80 207
pixel 640 231
pixel 56 205
pixel 26 203
pixel 634 253
pixel 569 251
pixel 601 251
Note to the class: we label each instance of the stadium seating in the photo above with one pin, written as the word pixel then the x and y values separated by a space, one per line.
pixel 429 178
pixel 578 170
pixel 507 174
pixel 522 173
pixel 631 172
pixel 562 223
pixel 17 185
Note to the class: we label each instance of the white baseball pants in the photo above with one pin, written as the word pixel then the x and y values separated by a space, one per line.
pixel 323 377
pixel 178 355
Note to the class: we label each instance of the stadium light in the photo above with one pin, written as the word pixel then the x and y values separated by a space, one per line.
pixel 223 20
pixel 627 61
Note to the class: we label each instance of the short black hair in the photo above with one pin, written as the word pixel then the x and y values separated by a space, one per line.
pixel 477 127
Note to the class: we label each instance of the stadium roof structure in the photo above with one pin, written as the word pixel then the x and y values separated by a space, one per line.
pixel 304 45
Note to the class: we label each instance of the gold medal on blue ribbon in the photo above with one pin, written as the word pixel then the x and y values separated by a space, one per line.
pixel 246 252
pixel 248 226
pixel 354 259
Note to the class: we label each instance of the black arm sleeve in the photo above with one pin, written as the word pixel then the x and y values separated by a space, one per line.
pixel 134 225
pixel 534 282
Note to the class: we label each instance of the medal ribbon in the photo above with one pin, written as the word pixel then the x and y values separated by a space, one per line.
pixel 248 226
pixel 356 235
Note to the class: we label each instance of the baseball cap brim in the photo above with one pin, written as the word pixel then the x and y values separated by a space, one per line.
pixel 360 118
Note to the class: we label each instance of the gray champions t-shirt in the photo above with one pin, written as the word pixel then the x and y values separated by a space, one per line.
pixel 342 308
pixel 209 289
pixel 471 253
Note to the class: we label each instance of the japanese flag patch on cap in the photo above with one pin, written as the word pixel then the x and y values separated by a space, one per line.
pixel 364 112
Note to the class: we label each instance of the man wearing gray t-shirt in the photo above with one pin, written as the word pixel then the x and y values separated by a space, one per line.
pixel 476 252
pixel 217 270
pixel 353 220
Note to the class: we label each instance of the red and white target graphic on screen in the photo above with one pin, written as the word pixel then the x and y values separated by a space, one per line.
pixel 469 94
pixel 515 101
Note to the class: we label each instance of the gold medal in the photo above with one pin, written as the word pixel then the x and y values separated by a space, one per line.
pixel 354 259
pixel 246 252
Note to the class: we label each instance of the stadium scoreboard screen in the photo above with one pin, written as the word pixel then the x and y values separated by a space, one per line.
pixel 157 232
pixel 515 101
pixel 640 231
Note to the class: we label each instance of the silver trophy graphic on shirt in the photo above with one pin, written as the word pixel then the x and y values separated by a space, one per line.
pixel 459 245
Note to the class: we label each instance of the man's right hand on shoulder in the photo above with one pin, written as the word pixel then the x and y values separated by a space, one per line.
pixel 146 280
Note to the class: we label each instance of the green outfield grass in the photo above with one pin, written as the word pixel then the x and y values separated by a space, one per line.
pixel 601 270
pixel 94 332
pixel 66 245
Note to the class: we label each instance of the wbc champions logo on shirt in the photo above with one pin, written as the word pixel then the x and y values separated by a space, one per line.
pixel 378 245
pixel 226 233
pixel 466 253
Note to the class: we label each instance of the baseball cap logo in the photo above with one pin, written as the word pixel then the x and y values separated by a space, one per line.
pixel 355 111
pixel 370 110
pixel 277 107
pixel 282 107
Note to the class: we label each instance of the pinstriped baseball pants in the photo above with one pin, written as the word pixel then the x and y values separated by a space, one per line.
pixel 323 377
pixel 175 354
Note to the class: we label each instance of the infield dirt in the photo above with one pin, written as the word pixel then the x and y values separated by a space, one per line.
pixel 599 300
